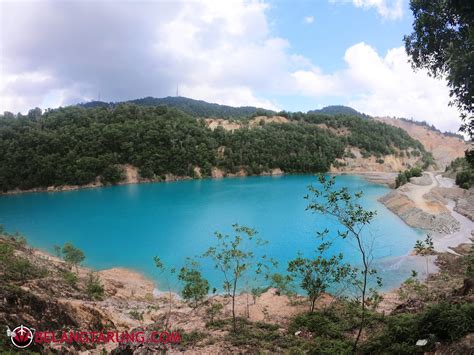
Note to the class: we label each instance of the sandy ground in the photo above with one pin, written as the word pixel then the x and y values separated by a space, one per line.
pixel 416 191
pixel 448 241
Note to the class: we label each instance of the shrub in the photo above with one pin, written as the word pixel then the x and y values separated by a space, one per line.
pixel 94 288
pixel 448 322
pixel 404 176
pixel 16 268
pixel 214 310
pixel 134 314
pixel 327 325
pixel 70 278
pixel 465 179
pixel 195 286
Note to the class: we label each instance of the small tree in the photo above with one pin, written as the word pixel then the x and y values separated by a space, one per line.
pixel 283 284
pixel 316 275
pixel 57 250
pixel 168 274
pixel 72 255
pixel 94 287
pixel 195 287
pixel 234 256
pixel 214 310
pixel 425 248
pixel 346 209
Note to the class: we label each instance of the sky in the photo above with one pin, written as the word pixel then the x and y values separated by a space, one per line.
pixel 293 55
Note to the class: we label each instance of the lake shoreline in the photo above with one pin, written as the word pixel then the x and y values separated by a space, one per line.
pixel 382 178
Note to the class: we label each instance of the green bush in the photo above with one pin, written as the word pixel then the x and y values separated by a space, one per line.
pixel 70 278
pixel 448 322
pixel 324 346
pixel 404 176
pixel 16 268
pixel 94 288
pixel 441 322
pixel 465 179
pixel 320 324
pixel 134 314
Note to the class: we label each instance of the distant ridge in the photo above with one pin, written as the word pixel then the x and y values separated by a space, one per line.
pixel 340 110
pixel 197 108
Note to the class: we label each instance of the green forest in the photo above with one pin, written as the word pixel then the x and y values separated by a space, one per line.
pixel 77 145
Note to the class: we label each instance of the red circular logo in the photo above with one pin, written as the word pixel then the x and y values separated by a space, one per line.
pixel 21 336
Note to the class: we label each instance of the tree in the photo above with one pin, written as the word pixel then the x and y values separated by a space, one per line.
pixel 195 286
pixel 72 255
pixel 425 248
pixel 443 42
pixel 316 275
pixel 346 209
pixel 57 250
pixel 234 256
pixel 94 288
pixel 168 274
pixel 283 284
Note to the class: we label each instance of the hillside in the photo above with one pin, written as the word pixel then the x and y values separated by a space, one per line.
pixel 444 147
pixel 79 146
pixel 339 110
pixel 196 108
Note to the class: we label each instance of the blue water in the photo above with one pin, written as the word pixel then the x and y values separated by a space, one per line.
pixel 125 226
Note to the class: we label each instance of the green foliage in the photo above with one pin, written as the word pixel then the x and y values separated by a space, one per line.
pixel 111 175
pixel 399 336
pixel 72 255
pixel 463 169
pixel 448 322
pixel 134 314
pixel 213 311
pixel 70 278
pixel 440 322
pixel 372 137
pixel 94 288
pixel 196 108
pixel 192 338
pixel 57 250
pixel 468 262
pixel 262 337
pixel 16 268
pixel 77 146
pixel 283 284
pixel 465 179
pixel 339 110
pixel 195 287
pixel 235 257
pixel 404 176
pixel 346 209
pixel 442 42
pixel 413 288
pixel 321 324
pixel 316 275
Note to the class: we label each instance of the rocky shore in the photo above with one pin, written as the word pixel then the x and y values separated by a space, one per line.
pixel 431 203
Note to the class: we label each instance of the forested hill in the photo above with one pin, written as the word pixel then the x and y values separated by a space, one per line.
pixel 196 108
pixel 77 146
pixel 339 110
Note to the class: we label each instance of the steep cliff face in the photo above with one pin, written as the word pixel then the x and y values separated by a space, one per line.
pixel 355 162
pixel 444 148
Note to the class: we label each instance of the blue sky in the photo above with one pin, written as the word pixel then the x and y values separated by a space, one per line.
pixel 292 55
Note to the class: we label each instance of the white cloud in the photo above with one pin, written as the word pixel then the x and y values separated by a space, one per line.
pixel 388 9
pixel 214 51
pixel 127 50
pixel 308 20
pixel 383 86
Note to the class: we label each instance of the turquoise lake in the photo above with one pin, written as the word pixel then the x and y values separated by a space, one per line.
pixel 125 226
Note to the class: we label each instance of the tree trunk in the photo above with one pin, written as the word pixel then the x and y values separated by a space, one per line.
pixel 234 325
pixel 313 302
